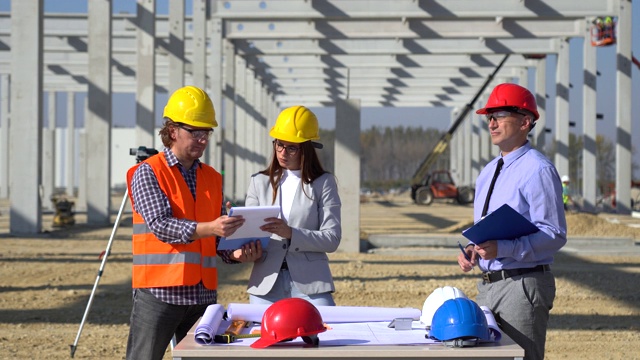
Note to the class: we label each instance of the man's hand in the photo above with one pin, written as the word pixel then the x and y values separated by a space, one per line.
pixel 487 250
pixel 226 225
pixel 248 252
pixel 465 264
pixel 223 226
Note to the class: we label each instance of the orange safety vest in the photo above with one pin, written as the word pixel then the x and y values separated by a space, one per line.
pixel 158 264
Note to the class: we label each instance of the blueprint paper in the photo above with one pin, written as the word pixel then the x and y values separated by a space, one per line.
pixel 209 324
pixel 502 224
pixel 364 333
pixel 496 334
pixel 330 314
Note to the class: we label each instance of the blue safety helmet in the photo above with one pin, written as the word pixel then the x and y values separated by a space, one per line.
pixel 459 320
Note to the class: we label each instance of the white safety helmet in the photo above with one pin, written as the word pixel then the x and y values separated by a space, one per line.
pixel 436 299
pixel 565 178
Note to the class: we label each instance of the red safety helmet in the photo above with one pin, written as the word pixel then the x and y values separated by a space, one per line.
pixel 511 95
pixel 287 319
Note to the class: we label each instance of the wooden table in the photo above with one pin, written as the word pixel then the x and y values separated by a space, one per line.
pixel 188 349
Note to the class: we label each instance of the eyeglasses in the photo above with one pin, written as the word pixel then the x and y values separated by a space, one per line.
pixel 197 134
pixel 501 115
pixel 291 150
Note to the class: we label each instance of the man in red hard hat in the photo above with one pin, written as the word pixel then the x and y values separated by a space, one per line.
pixel 517 283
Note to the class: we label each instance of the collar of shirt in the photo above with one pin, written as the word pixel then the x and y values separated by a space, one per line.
pixel 172 159
pixel 507 183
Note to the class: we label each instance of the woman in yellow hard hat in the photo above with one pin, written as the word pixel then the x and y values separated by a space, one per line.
pixel 295 263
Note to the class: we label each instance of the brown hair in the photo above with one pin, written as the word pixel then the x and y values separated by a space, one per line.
pixel 165 132
pixel 311 168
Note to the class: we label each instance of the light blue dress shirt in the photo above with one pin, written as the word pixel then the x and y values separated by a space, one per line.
pixel 530 184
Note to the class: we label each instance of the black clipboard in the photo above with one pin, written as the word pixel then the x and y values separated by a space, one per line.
pixel 503 224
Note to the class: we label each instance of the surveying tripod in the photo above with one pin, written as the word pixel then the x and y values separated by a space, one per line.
pixel 141 153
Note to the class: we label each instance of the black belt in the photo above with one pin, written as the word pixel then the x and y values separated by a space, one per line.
pixel 284 266
pixel 493 276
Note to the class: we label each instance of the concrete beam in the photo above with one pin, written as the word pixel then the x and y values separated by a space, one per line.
pixel 402 28
pixel 386 9
pixel 395 46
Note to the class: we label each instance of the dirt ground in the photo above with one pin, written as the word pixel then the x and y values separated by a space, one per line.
pixel 46 280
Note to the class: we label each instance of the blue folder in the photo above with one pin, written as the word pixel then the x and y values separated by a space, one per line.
pixel 503 224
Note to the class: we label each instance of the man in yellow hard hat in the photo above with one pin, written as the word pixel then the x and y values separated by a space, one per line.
pixel 177 207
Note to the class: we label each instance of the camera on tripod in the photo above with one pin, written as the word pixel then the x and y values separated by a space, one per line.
pixel 142 153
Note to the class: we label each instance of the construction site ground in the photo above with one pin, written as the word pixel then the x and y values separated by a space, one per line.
pixel 408 250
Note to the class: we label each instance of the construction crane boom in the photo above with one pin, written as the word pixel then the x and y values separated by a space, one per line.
pixel 443 143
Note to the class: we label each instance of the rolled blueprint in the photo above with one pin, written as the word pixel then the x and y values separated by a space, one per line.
pixel 209 323
pixel 330 314
pixel 494 330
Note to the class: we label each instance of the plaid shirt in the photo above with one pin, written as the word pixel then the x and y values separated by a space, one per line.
pixel 152 203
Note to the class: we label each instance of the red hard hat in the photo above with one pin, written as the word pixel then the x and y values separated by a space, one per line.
pixel 287 319
pixel 511 95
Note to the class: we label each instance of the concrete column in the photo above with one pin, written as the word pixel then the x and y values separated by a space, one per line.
pixel 216 150
pixel 25 136
pixel 49 153
pixel 4 136
pixel 265 143
pixel 475 147
pixel 523 77
pixel 71 141
pixel 466 164
pixel 459 157
pixel 199 63
pixel 589 174
pixel 541 101
pixel 485 137
pixel 81 202
pixel 561 158
pixel 623 110
pixel 145 73
pixel 454 148
pixel 229 138
pixel 347 171
pixel 259 133
pixel 98 121
pixel 176 45
pixel 251 123
pixel 241 129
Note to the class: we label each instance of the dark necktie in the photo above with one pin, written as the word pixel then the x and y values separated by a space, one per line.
pixel 493 183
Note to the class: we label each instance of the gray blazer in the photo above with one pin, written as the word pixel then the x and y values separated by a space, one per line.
pixel 315 223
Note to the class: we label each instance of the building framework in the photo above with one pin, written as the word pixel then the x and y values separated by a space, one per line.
pixel 256 57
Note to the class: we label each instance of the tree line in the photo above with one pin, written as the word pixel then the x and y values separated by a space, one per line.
pixel 391 155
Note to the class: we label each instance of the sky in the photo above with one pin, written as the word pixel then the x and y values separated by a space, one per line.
pixel 440 118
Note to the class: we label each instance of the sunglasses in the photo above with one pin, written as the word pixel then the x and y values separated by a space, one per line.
pixel 197 134
pixel 501 115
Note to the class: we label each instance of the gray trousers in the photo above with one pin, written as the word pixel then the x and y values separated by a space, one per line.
pixel 154 322
pixel 521 306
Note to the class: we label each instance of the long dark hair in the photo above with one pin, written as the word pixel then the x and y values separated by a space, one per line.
pixel 311 168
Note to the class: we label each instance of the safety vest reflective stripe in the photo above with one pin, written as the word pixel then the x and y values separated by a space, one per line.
pixel 167 259
pixel 141 229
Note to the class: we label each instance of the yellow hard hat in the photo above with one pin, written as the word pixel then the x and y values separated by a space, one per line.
pixel 296 124
pixel 192 106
